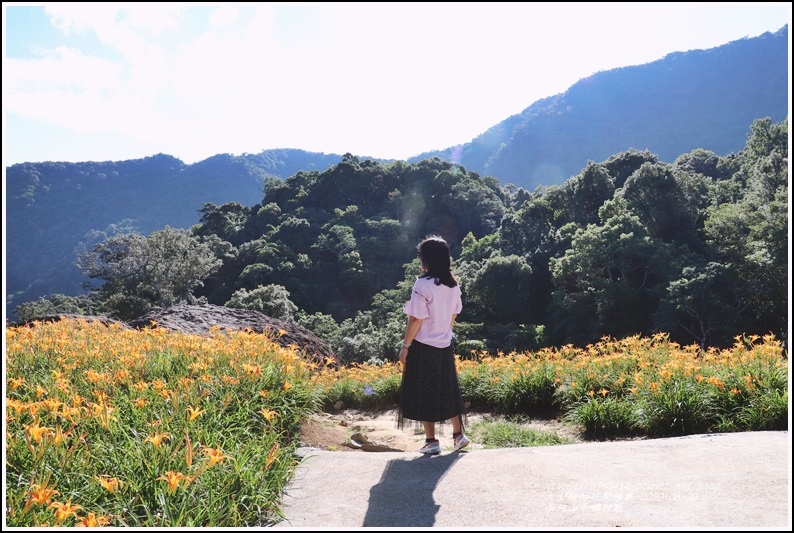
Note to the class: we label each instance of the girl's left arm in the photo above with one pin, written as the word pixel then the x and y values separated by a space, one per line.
pixel 410 333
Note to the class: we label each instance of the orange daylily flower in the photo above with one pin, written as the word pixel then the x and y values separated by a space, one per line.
pixel 268 413
pixel 39 495
pixel 188 450
pixel 717 382
pixel 92 520
pixel 157 439
pixel 272 454
pixel 59 436
pixel 64 510
pixel 16 405
pixel 215 455
pixel 37 432
pixel 101 409
pixel 255 370
pixel 33 408
pixel 111 484
pixel 194 412
pixel 51 404
pixel 173 479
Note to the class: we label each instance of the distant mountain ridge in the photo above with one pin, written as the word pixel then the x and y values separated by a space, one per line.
pixel 687 100
pixel 53 208
pixel 697 99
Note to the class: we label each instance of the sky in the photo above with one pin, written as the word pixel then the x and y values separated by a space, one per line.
pixel 112 81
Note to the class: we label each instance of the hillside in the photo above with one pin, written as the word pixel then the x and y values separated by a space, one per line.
pixel 687 100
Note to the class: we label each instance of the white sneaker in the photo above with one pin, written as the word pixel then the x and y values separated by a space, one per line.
pixel 461 442
pixel 431 447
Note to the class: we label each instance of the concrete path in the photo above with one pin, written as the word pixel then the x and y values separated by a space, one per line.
pixel 733 480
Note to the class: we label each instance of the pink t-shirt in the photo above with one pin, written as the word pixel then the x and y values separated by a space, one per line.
pixel 435 305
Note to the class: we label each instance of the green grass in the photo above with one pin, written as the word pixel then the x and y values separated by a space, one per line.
pixel 512 434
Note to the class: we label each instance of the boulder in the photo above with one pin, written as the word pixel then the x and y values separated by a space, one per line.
pixel 200 319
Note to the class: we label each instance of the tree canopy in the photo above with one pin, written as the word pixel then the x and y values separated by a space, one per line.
pixel 696 249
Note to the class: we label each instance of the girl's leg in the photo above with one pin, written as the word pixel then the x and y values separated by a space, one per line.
pixel 456 425
pixel 459 440
pixel 430 430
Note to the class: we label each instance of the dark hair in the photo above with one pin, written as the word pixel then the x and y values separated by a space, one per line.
pixel 434 254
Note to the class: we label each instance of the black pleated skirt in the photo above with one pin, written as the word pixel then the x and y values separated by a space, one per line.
pixel 429 390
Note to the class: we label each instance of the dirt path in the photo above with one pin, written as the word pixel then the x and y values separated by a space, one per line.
pixel 341 431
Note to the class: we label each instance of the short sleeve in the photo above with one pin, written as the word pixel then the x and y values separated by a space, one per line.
pixel 417 306
pixel 458 307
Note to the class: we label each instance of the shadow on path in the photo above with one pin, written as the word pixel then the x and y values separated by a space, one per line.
pixel 404 495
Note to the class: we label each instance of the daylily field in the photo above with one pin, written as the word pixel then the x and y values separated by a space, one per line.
pixel 107 426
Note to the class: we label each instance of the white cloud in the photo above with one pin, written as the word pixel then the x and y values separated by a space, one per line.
pixel 380 79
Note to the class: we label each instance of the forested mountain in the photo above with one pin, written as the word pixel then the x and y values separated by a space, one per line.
pixel 688 100
pixel 54 209
pixel 695 250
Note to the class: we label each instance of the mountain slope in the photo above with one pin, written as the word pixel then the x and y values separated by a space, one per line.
pixel 687 100
pixel 53 209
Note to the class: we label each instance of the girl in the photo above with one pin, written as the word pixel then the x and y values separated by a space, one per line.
pixel 430 391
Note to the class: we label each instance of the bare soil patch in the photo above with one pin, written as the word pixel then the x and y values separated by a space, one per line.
pixel 360 430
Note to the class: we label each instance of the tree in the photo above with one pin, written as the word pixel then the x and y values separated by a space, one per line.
pixel 56 304
pixel 373 334
pixel 475 205
pixel 750 238
pixel 589 190
pixel 272 300
pixel 703 162
pixel 160 270
pixel 607 281
pixel 765 141
pixel 621 166
pixel 227 221
pixel 699 303
pixel 653 193
pixel 749 233
pixel 502 288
